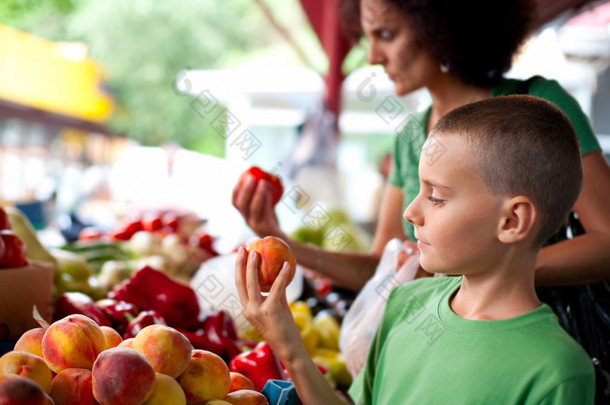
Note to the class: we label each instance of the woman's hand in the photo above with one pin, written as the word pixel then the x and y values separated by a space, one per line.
pixel 270 315
pixel 253 201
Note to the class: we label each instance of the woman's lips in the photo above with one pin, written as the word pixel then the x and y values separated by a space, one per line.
pixel 420 244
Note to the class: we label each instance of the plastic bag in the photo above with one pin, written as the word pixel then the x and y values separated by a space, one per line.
pixel 361 321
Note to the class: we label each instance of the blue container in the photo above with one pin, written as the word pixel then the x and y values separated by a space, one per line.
pixel 280 392
pixel 35 212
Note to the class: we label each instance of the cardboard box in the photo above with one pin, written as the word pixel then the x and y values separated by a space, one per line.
pixel 20 289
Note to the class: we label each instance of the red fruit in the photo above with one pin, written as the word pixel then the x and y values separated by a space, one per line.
pixel 14 252
pixel 90 233
pixel 274 182
pixel 5 220
pixel 170 220
pixel 151 221
pixel 274 252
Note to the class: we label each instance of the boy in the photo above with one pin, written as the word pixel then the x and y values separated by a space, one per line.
pixel 497 179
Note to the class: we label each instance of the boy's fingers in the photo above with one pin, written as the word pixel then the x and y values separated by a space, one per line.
pixel 240 267
pixel 252 286
pixel 280 283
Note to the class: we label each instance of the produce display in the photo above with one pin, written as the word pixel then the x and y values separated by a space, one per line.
pixel 126 328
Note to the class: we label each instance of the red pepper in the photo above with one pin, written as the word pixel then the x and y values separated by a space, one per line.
pixel 150 289
pixel 118 312
pixel 259 365
pixel 217 334
pixel 78 303
pixel 144 319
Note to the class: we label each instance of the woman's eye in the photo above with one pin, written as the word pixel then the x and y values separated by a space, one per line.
pixel 435 201
pixel 386 35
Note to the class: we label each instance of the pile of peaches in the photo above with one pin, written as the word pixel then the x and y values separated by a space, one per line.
pixel 75 361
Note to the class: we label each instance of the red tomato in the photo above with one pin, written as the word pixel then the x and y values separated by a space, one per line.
pixel 276 184
pixel 170 220
pixel 151 221
pixel 90 233
pixel 14 253
pixel 5 220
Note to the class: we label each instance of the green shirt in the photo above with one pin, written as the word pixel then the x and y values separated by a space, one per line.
pixel 423 353
pixel 409 142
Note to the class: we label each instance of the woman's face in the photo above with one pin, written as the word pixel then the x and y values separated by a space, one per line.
pixel 392 45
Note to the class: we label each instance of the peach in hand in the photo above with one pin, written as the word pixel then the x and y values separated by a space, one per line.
pixel 167 350
pixel 167 391
pixel 122 376
pixel 73 386
pixel 273 253
pixel 205 378
pixel 31 342
pixel 72 342
pixel 27 365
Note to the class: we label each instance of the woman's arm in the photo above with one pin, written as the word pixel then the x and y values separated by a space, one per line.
pixel 348 269
pixel 586 258
pixel 272 318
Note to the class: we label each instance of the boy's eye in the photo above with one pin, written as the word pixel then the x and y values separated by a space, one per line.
pixel 435 201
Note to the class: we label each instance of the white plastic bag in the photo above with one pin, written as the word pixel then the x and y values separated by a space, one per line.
pixel 361 321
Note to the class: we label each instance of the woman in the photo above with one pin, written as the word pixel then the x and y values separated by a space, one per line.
pixel 459 51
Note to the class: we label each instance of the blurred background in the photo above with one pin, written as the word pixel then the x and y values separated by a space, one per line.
pixel 107 105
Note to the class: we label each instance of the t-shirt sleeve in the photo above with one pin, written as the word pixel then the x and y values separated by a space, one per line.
pixel 575 391
pixel 552 91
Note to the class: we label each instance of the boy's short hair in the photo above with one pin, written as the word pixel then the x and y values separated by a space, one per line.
pixel 523 145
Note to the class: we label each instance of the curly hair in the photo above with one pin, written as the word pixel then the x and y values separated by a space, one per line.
pixel 476 39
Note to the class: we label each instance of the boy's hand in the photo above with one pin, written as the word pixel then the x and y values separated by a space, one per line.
pixel 270 315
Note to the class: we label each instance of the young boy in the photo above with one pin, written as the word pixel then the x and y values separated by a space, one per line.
pixel 497 179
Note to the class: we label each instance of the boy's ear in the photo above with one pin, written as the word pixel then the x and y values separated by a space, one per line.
pixel 518 220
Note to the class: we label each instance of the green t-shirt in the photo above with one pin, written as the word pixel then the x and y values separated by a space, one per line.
pixel 423 353
pixel 409 142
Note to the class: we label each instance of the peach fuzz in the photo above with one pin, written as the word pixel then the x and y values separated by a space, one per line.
pixel 167 350
pixel 73 386
pixel 27 365
pixel 15 390
pixel 122 376
pixel 206 377
pixel 274 252
pixel 167 391
pixel 246 397
pixel 72 342
pixel 111 337
pixel 31 342
pixel 128 343
pixel 239 382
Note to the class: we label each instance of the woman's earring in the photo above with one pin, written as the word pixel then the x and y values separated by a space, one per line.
pixel 444 67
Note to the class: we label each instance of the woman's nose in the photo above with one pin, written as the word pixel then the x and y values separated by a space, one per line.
pixel 374 55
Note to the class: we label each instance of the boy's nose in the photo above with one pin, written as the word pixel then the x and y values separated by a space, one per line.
pixel 412 213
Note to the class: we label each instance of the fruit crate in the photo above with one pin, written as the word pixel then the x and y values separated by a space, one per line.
pixel 20 289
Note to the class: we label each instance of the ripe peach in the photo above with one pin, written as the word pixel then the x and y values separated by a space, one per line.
pixel 205 378
pixel 274 252
pixel 167 350
pixel 27 365
pixel 72 342
pixel 111 337
pixel 217 402
pixel 31 342
pixel 127 343
pixel 15 390
pixel 73 386
pixel 239 382
pixel 246 397
pixel 167 391
pixel 122 376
